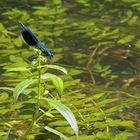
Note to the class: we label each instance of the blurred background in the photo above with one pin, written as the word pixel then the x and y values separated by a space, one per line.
pixel 98 42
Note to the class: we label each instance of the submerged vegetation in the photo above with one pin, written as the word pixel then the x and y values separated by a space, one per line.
pixel 89 90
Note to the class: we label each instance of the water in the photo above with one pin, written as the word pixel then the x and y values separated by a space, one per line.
pixel 97 41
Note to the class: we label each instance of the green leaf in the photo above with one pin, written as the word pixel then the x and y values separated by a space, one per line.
pixel 18 69
pixel 129 14
pixel 21 86
pixel 58 83
pixel 7 88
pixel 47 76
pixel 57 68
pixel 121 123
pixel 46 113
pixel 66 112
pixel 2 133
pixel 74 71
pixel 7 135
pixel 123 136
pixel 4 111
pixel 84 137
pixel 56 132
pixel 137 44
pixel 57 1
pixel 115 108
pixel 2 27
pixel 71 83
pixel 97 96
pixel 133 21
pixel 126 39
pixel 18 41
pixel 3 96
pixel 88 99
pixel 103 135
pixel 107 101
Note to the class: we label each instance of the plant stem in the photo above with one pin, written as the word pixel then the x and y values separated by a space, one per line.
pixel 35 115
pixel 102 111
pixel 88 65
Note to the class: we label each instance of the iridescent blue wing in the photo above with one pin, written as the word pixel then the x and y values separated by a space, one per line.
pixel 32 40
pixel 28 36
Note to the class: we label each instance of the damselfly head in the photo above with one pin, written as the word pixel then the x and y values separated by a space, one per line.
pixel 50 55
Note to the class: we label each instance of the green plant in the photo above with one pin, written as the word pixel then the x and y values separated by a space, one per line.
pixel 39 99
pixel 83 35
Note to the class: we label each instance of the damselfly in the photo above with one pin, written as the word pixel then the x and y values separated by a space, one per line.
pixel 32 40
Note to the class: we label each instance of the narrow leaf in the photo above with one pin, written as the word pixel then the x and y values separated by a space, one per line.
pixel 58 83
pixel 47 76
pixel 123 136
pixel 66 112
pixel 57 68
pixel 7 135
pixel 21 86
pixel 126 39
pixel 57 1
pixel 56 132
pixel 18 69
pixel 7 88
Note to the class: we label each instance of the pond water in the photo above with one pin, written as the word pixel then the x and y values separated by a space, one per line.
pixel 96 41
